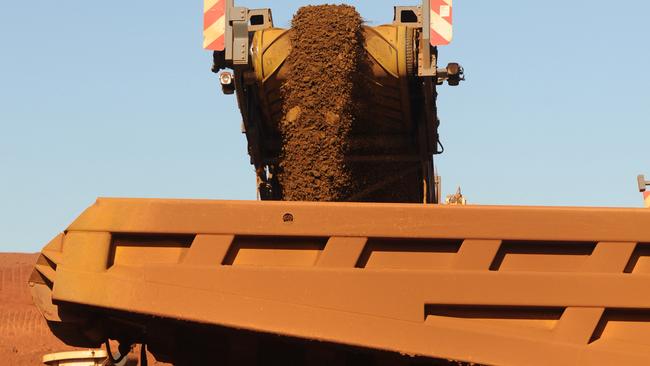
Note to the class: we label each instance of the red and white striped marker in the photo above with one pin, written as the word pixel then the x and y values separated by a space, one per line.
pixel 214 25
pixel 441 15
pixel 646 198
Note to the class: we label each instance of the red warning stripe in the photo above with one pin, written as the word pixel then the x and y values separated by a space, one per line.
pixel 218 45
pixel 210 16
pixel 441 18
pixel 439 7
pixel 214 24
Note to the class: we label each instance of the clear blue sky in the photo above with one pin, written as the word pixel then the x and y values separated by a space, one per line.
pixel 116 99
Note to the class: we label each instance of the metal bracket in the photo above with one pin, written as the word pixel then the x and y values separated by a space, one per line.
pixel 642 183
pixel 259 19
pixel 238 19
pixel 437 181
pixel 240 22
pixel 427 61
pixel 408 16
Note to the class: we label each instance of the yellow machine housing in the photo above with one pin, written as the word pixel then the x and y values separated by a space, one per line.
pixel 398 135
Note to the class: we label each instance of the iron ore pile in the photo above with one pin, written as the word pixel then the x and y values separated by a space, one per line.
pixel 325 103
pixel 318 103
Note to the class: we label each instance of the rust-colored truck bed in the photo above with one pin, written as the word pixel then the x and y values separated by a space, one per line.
pixel 253 282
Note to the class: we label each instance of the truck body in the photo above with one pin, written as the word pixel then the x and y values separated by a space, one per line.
pixel 386 283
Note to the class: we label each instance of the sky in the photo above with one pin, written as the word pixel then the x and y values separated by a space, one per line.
pixel 116 99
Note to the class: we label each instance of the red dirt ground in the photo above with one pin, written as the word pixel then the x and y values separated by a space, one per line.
pixel 24 335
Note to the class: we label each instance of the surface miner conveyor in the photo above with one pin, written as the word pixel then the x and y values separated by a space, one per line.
pixel 402 115
pixel 343 283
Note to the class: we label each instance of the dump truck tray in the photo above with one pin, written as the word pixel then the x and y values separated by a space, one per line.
pixel 482 284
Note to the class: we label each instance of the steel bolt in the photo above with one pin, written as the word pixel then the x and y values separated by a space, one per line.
pixel 288 218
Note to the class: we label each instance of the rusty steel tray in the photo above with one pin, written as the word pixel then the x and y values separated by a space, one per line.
pixel 483 284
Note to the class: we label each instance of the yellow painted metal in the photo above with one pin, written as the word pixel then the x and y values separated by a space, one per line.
pixel 270 48
pixel 387 44
pixel 388 49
